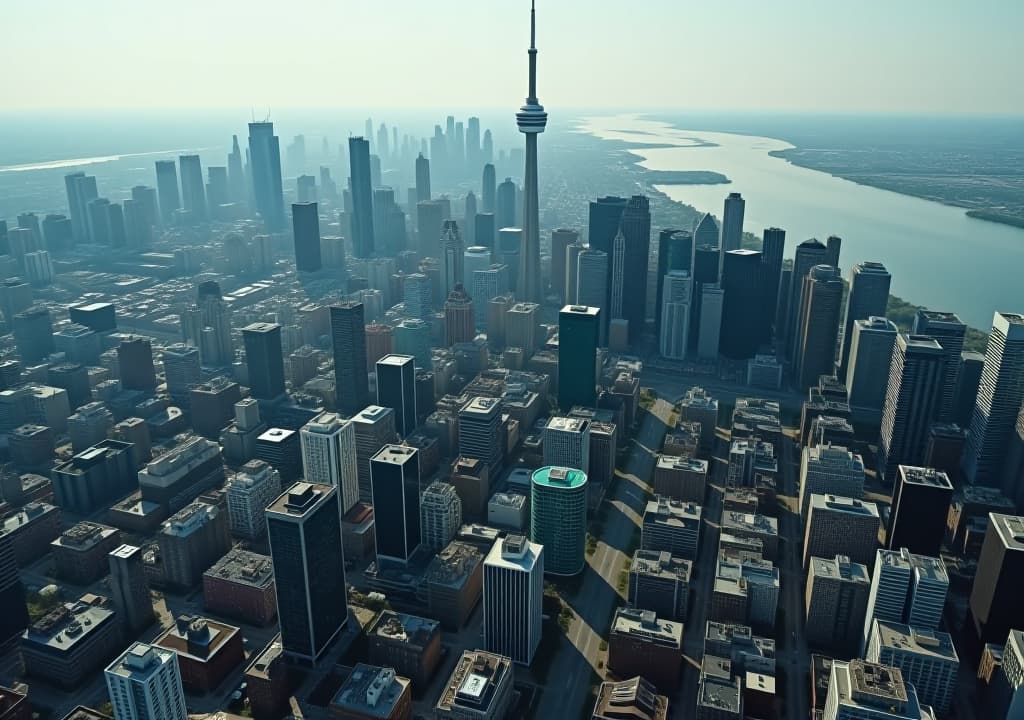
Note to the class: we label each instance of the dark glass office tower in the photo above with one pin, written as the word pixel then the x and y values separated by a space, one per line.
pixel 81 188
pixel 605 218
pixel 422 178
pixel 193 191
pixel 489 189
pixel 362 197
pixel 167 189
pixel 949 331
pixel 505 205
pixel 306 231
pixel 304 529
pixel 135 360
pixel 818 326
pixel 675 252
pixel 869 297
pixel 264 360
pixel 808 254
pixel 743 327
pixel 578 332
pixel 348 338
pixel 395 479
pixel 636 226
pixel 265 174
pixel 920 506
pixel 705 272
pixel 14 618
pixel 33 333
pixel 995 597
pixel 773 247
pixel 396 389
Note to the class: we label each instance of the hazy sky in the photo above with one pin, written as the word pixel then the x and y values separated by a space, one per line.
pixel 891 55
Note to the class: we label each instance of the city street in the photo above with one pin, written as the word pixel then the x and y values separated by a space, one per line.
pixel 574 668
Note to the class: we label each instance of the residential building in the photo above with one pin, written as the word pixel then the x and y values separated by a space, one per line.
pixel 144 683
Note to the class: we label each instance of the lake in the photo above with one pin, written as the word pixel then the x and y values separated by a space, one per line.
pixel 937 255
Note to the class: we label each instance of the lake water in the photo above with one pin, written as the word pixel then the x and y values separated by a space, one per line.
pixel 937 255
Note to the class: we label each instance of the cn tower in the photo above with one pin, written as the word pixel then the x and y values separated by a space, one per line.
pixel 531 120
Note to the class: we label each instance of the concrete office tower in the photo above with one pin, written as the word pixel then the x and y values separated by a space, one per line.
pixel 264 360
pixel 1011 674
pixel 870 356
pixel 362 197
pixel 711 305
pixel 946 328
pixel 820 300
pixel 395 480
pixel 166 190
pixel 674 325
pixel 81 188
pixel 249 491
pixel 138 230
pixel 732 225
pixel 513 595
pixel 207 325
pixel 129 588
pixel 567 443
pixel 572 253
pixel 135 360
pixel 454 256
pixel 265 175
pixel 672 526
pixel 329 456
pixel 836 603
pixel 998 403
pixel 304 528
pixel 906 588
pixel 422 178
pixel 146 198
pixel 441 515
pixel 488 190
pixel 675 252
pixel 480 432
pixel 193 192
pixel 531 120
pixel 869 297
pixel 418 296
pixel 912 399
pixel 487 284
pixel 144 683
pixel 459 318
pixel 181 371
pixel 995 601
pixel 839 525
pixel 560 240
pixel 578 330
pixel 505 208
pixel 829 470
pixel 521 323
pixel 920 505
pixel 859 690
pixel 744 328
pixel 926 658
pixel 396 389
pixel 558 517
pixel 348 340
pixel 375 428
pixel 808 254
pixel 306 233
pixel 636 227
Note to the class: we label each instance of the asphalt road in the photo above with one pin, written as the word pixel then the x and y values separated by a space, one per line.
pixel 570 674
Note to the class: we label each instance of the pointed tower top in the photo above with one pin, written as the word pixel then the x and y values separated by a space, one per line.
pixel 533 24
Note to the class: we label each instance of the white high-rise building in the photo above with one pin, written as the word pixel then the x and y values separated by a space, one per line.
pixel 250 490
pixel 329 456
pixel 513 598
pixel 712 299
pixel 1000 393
pixel 675 314
pixel 829 470
pixel 440 515
pixel 927 659
pixel 144 683
pixel 859 690
pixel 567 443
pixel 906 588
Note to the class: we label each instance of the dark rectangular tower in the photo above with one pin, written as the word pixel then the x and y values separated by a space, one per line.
pixel 395 479
pixel 264 360
pixel 306 232
pixel 396 389
pixel 348 339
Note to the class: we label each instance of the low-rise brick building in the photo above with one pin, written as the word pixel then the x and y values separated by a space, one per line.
pixel 241 585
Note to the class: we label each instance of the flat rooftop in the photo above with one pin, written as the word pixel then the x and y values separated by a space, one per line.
pixel 243 567
pixel 646 624
pixel 197 638
pixel 933 644
pixel 560 478
pixel 566 424
pixel 370 690
pixel 718 693
pixel 928 477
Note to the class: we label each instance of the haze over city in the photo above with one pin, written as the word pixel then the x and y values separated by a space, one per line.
pixel 451 361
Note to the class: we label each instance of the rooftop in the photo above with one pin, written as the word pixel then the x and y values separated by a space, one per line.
pixel 480 405
pixel 189 519
pixel 84 536
pixel 718 693
pixel 567 424
pixel 244 568
pixel 395 454
pixel 558 477
pixel 635 699
pixel 261 663
pixel 196 637
pixel 454 564
pixel 139 661
pixel 371 690
pixel 925 476
pixel 515 552
pixel 396 360
pixel 838 503
pixel 932 643
pixel 69 624
pixel 646 624
pixel 580 310
pixel 300 499
pixel 408 629
pixel 474 681
pixel 276 436
pixel 839 568
pixel 661 564
pixel 668 510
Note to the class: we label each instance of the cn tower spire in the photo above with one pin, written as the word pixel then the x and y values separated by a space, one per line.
pixel 531 120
